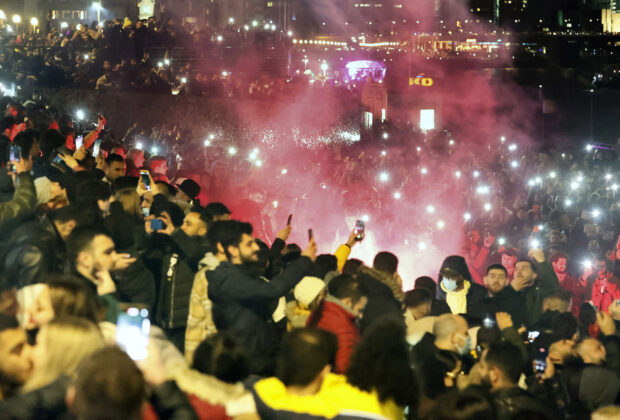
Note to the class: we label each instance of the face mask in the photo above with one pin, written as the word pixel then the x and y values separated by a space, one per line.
pixel 466 347
pixel 449 284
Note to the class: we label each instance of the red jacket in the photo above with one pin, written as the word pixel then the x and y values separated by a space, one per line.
pixel 604 292
pixel 337 319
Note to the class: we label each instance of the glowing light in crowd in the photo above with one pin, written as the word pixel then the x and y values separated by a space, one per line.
pixel 254 23
pixel 231 20
pixel 587 264
pixel 365 218
pixel 501 241
pixel 607 177
pixel 224 73
pixel 614 187
pixel 266 27
pixel 596 213
pixel 80 114
pixel 167 62
pixel 211 136
pixel 246 27
pixel 78 26
pixel 397 195
pixel 421 246
pixel 430 209
pixel 423 171
pixel 574 185
pixel 258 163
pixel 535 243
pixel 385 136
pixel 541 227
pixel 419 149
pixel 427 119
pixel 207 142
pixel 86 56
pixel 34 21
pixel 457 174
pixel 384 176
pixel 552 175
pixel 383 153
pixel 563 155
pixel 232 151
pixel 514 164
pixel 273 27
pixel 568 202
pixel 451 142
pixel 467 216
pixel 284 171
pixel 512 147
pixel 503 138
pixel 139 145
pixel 275 204
pixel 537 180
pixel 154 150
pixel 531 182
pixel 441 224
pixel 160 64
pixel 2 15
pixel 183 79
pixel 476 174
pixel 289 33
pixel 219 38
pixel 483 189
pixel 17 19
pixel 487 206
pixel 589 147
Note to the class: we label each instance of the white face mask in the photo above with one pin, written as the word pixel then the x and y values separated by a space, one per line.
pixel 449 284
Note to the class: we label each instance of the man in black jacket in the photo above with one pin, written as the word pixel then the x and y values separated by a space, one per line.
pixel 183 248
pixel 502 298
pixel 501 367
pixel 243 303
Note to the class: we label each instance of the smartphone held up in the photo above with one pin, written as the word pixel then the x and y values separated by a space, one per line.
pixel 132 332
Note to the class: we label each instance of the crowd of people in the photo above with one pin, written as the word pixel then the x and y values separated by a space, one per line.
pixel 153 56
pixel 132 285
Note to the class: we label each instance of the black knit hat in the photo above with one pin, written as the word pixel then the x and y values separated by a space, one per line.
pixel 190 188
pixel 456 263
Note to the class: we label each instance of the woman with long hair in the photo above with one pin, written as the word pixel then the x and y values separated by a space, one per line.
pixel 61 346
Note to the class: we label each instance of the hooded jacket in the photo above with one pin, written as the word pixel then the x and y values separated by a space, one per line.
pixel 243 305
pixel 475 294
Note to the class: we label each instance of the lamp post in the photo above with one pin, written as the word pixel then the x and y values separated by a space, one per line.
pixel 16 20
pixel 97 6
pixel 34 22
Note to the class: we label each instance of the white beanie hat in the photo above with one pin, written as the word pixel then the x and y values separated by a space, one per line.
pixel 43 186
pixel 308 289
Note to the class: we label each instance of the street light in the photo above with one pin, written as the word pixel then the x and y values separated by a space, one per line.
pixel 324 67
pixel 34 22
pixel 98 8
pixel 2 15
pixel 17 20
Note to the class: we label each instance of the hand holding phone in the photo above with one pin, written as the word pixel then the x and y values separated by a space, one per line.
pixel 360 230
pixel 157 225
pixel 96 147
pixel 540 361
pixel 146 179
pixel 79 142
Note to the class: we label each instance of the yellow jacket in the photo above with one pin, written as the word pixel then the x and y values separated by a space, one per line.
pixel 336 399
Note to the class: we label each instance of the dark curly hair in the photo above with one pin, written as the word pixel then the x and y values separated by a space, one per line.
pixel 381 363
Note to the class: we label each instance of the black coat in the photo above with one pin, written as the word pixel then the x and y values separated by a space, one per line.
pixel 381 302
pixel 510 301
pixel 243 305
pixel 510 401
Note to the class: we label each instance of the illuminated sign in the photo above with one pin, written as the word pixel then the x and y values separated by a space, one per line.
pixel 421 80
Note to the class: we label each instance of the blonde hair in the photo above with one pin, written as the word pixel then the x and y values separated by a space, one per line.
pixel 67 341
pixel 130 200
